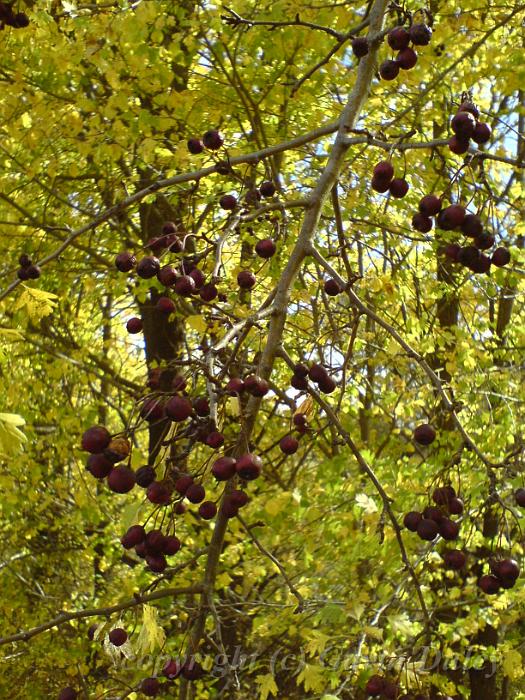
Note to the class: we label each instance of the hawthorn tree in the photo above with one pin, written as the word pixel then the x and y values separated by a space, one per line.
pixel 262 350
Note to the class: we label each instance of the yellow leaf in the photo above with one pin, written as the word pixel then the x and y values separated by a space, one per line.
pixel 38 302
pixel 266 685
pixel 151 634
pixel 512 664
pixel 312 677
pixel 197 322
pixel 374 632
pixel 11 438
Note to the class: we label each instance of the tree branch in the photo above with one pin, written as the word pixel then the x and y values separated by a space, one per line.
pixel 94 612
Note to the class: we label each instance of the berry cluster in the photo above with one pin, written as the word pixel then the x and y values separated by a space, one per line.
pixel 9 18
pixel 316 373
pixel 504 574
pixel 383 179
pixel 153 546
pixel 27 271
pixel 434 520
pixel 455 217
pixel 466 126
pixel 399 39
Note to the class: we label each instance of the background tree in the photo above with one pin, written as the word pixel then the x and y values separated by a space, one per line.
pixel 317 319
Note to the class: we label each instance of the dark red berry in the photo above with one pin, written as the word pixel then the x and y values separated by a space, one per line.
pixel 299 383
pixel 121 479
pixel 267 188
pixel 500 257
pixel 327 385
pixel 484 241
pixel 158 493
pixel 165 305
pixel 482 133
pixel 389 70
pixel 380 185
pixel 67 693
pixel 265 248
pixel 398 38
pixel 198 277
pixel 429 205
pixel 420 34
pixel 421 223
pixel 412 520
pixel 133 536
pixel 246 279
pixel 215 439
pixel 124 262
pixel 398 187
pixel 289 445
pixel 228 202
pixel 458 144
pixel 192 670
pixel 171 545
pixel 213 139
pixel 33 272
pixel 424 434
pixel 452 251
pixel 238 498
pixel 248 466
pixel 384 170
pixel 433 513
pixel 118 636
pixel 519 497
pixel 256 386
pixel 167 275
pixel 95 439
pixel 207 510
pixel 360 46
pixel 224 468
pixel 99 465
pixel 144 476
pixel 455 506
pixel 463 125
pixel 448 529
pixel 23 273
pixel 172 669
pixel 156 562
pixel 472 226
pixel 195 146
pixel 228 508
pixel 148 267
pixel 451 217
pixel 184 285
pixel 332 287
pixel 178 408
pixel 235 386
pixel 427 529
pixel 375 686
pixel 152 410
pixel 134 325
pixel 489 584
pixel 183 483
pixel 201 406
pixel 407 58
pixel 208 292
pixel 195 493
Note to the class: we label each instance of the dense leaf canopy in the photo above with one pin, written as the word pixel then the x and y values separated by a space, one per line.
pixel 316 583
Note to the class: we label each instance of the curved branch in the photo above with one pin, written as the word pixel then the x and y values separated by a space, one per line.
pixel 94 612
